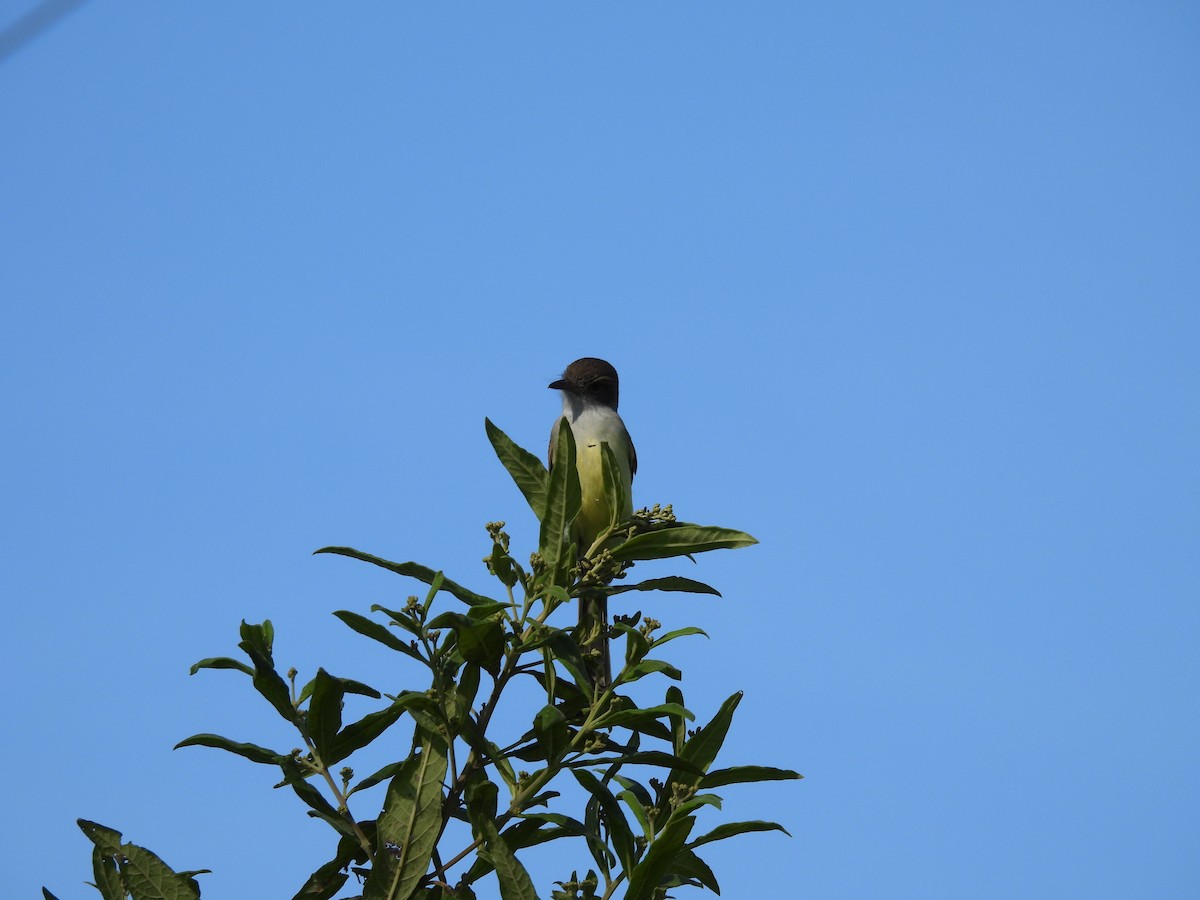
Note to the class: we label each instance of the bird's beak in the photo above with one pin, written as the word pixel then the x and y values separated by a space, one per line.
pixel 559 385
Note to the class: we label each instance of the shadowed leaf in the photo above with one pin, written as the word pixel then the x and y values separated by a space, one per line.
pixel 670 583
pixel 252 752
pixel 409 823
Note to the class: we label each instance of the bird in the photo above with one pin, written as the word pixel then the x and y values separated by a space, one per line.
pixel 590 391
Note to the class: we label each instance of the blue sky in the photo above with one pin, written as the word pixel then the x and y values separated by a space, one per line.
pixel 908 291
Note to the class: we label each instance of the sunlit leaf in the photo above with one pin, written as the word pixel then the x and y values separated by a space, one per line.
pixel 680 540
pixel 563 500
pixel 527 471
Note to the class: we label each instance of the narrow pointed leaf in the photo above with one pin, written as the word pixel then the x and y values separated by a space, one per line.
pixel 527 471
pixel 515 883
pixel 382 775
pixel 731 829
pixel 358 734
pixel 678 725
pixel 701 749
pixel 252 752
pixel 618 827
pixel 681 540
pixel 745 774
pixel 270 683
pixel 614 485
pixel 670 583
pixel 221 662
pixel 372 629
pixel 677 633
pixel 563 499
pixel 650 666
pixel 412 570
pixel 324 719
pixel 688 865
pixel 107 875
pixel 659 859
pixel 627 716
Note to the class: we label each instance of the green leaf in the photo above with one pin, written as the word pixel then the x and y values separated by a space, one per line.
pixel 650 666
pixel 614 484
pixel 412 570
pixel 252 752
pixel 46 895
pixel 639 758
pixel 637 645
pixel 526 469
pixel 628 716
pixel 403 619
pixel 670 583
pixel 221 662
pixel 326 881
pixel 324 717
pixel 502 566
pixel 358 734
pixel 409 823
pixel 256 643
pixel 563 499
pixel 149 878
pixel 659 860
pixel 296 778
pixel 678 724
pixel 553 734
pixel 479 642
pixel 680 540
pixel 372 629
pixel 108 840
pixel 745 774
pixel 688 865
pixel 564 650
pixel 702 748
pixel 382 775
pixel 465 692
pixel 618 827
pixel 677 633
pixel 731 829
pixel 108 876
pixel 515 883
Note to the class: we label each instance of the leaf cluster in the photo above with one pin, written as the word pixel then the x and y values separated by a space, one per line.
pixel 646 776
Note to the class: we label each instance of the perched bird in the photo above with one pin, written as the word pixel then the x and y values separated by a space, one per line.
pixel 589 393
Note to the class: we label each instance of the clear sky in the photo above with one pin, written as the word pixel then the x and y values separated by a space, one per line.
pixel 909 291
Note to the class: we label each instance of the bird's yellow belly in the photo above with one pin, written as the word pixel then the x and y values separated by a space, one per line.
pixel 594 513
